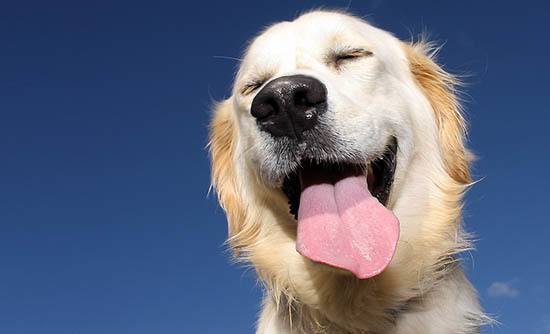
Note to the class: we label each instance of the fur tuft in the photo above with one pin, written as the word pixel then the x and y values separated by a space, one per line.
pixel 440 88
pixel 241 230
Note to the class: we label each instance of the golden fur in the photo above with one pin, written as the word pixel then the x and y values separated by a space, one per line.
pixel 440 87
pixel 303 297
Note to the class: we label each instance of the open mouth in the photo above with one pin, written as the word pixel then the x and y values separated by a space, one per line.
pixel 341 213
pixel 379 173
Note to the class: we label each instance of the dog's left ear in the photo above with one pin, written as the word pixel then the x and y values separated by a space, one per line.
pixel 223 141
pixel 439 87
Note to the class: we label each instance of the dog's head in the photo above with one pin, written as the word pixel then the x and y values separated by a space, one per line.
pixel 340 146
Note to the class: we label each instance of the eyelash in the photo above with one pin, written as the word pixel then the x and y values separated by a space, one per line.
pixel 348 55
pixel 252 86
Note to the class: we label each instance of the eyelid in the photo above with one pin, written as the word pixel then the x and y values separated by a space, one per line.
pixel 349 53
pixel 251 86
pixel 358 52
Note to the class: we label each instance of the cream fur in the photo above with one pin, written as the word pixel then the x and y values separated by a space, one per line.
pixel 399 91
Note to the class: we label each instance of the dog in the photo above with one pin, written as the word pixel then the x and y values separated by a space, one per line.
pixel 340 162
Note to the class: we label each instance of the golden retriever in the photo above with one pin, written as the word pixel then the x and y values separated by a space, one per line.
pixel 340 162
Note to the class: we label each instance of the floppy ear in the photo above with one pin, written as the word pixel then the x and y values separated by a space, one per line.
pixel 439 87
pixel 223 140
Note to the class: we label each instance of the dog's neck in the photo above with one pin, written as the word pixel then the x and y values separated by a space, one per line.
pixel 362 307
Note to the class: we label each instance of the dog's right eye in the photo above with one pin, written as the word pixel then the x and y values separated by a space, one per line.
pixel 252 86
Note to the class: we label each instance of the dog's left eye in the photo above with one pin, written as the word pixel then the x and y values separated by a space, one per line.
pixel 349 55
pixel 250 87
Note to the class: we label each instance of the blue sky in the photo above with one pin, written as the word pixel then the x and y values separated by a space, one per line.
pixel 105 223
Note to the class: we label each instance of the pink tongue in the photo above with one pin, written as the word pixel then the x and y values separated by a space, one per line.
pixel 344 226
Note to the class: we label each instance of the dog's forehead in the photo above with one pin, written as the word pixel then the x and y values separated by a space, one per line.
pixel 311 33
pixel 307 42
pixel 311 36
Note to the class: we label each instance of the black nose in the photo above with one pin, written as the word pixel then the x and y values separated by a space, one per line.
pixel 288 106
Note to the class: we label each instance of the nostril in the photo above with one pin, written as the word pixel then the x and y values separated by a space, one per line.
pixel 301 99
pixel 309 95
pixel 264 108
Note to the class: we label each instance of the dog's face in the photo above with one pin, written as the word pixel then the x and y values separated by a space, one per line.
pixel 336 131
pixel 361 106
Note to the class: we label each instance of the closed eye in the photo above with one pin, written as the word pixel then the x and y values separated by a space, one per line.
pixel 340 57
pixel 251 86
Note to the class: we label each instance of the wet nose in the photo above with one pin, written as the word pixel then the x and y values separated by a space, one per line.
pixel 290 105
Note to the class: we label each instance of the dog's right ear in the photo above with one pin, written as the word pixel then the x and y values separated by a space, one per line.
pixel 223 142
pixel 439 88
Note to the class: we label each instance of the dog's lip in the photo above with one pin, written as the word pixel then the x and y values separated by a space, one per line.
pixel 379 172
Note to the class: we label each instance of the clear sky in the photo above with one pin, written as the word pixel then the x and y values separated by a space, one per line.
pixel 105 222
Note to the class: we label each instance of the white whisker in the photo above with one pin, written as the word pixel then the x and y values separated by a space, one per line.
pixel 228 58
